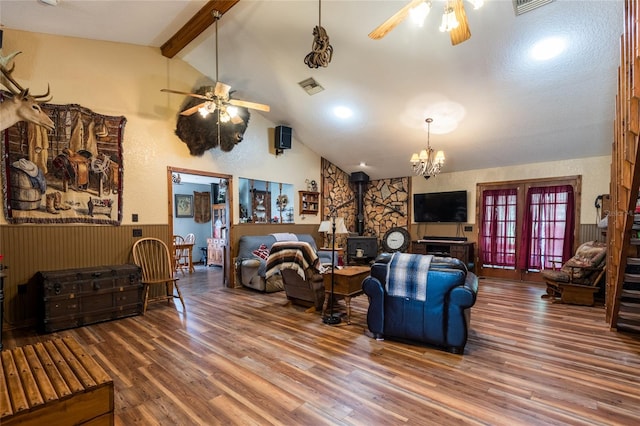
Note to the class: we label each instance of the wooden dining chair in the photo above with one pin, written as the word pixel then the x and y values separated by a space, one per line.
pixel 187 254
pixel 177 254
pixel 157 264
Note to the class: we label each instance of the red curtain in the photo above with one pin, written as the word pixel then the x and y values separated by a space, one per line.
pixel 498 233
pixel 547 227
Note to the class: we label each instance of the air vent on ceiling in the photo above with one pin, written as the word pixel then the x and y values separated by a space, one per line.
pixel 523 6
pixel 311 86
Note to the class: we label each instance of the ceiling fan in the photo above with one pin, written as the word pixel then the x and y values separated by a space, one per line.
pixel 454 19
pixel 217 98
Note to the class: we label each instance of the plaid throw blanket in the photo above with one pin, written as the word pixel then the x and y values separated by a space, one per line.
pixel 298 255
pixel 407 275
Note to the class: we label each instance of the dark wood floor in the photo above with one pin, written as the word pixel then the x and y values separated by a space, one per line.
pixel 242 357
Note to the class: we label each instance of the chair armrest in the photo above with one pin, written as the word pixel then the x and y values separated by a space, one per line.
pixel 555 263
pixel 375 314
pixel 465 295
pixel 250 263
pixel 248 269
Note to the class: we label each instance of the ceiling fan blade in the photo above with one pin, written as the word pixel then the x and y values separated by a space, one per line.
pixel 221 90
pixel 195 95
pixel 193 109
pixel 252 105
pixel 462 32
pixel 236 119
pixel 392 22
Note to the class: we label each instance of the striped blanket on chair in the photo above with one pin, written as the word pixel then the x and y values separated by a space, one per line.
pixel 298 255
pixel 407 275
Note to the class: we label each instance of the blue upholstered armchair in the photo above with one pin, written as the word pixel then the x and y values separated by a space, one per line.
pixel 421 298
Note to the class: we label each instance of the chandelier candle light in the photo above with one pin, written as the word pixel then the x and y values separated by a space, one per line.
pixel 426 163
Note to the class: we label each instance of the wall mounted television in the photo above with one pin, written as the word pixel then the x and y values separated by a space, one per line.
pixel 440 207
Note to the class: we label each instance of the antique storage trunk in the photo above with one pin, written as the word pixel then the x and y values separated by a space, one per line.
pixel 77 297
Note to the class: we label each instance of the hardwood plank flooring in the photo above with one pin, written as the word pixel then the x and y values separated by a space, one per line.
pixel 242 357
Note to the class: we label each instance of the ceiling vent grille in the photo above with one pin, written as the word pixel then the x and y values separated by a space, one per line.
pixel 523 6
pixel 311 86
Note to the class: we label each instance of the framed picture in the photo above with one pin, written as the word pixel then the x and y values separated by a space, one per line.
pixel 184 205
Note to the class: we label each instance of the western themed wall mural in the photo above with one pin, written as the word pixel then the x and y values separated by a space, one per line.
pixel 68 173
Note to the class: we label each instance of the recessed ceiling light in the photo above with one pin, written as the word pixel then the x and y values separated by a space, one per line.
pixel 363 164
pixel 342 112
pixel 548 48
pixel 50 2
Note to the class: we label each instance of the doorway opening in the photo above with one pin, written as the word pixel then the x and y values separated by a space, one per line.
pixel 199 204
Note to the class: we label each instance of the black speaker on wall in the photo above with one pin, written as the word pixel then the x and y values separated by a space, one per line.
pixel 282 139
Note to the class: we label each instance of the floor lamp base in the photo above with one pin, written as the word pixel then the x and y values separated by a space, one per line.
pixel 331 319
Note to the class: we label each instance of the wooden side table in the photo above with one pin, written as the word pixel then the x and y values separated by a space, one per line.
pixel 347 284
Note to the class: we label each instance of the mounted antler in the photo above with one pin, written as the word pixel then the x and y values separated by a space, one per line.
pixel 23 106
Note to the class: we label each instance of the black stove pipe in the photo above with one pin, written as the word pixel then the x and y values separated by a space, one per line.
pixel 360 180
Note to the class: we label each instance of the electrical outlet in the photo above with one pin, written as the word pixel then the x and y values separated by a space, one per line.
pixel 134 217
pixel 22 289
pixel 137 232
pixel 468 228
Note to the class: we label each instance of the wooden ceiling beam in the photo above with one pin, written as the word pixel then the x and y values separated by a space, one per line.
pixel 196 25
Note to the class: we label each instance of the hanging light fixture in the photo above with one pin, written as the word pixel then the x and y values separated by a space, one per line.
pixel 426 163
pixel 419 13
pixel 449 20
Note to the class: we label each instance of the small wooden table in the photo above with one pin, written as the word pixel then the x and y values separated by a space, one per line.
pixel 347 284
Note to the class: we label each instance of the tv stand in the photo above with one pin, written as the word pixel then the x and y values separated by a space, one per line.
pixel 462 250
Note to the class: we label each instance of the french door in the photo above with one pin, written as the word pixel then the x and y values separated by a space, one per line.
pixel 526 226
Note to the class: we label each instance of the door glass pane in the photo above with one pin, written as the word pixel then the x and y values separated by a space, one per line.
pixel 498 234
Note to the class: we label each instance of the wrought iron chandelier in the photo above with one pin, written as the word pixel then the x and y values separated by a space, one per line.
pixel 428 163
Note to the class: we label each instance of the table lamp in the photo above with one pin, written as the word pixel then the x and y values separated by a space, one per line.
pixel 325 227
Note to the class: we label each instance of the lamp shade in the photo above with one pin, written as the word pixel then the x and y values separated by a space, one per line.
pixel 340 227
pixel 325 226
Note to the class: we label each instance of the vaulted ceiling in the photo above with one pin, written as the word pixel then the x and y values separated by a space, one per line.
pixel 492 103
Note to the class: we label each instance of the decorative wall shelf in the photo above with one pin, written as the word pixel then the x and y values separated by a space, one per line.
pixel 309 202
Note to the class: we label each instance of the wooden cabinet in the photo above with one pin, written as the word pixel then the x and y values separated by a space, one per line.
pixel 309 202
pixel 215 251
pixel 462 250
pixel 216 246
pixel 219 221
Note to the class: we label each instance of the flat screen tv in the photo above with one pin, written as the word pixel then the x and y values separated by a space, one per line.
pixel 440 207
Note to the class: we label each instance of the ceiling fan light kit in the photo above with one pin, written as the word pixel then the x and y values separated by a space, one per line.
pixel 449 20
pixel 428 162
pixel 454 19
pixel 420 12
pixel 217 97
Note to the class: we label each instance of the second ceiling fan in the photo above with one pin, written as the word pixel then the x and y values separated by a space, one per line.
pixel 216 98
pixel 454 19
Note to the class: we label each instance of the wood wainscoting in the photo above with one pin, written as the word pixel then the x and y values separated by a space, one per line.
pixel 28 249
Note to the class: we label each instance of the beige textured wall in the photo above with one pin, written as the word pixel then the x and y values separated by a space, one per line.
pixel 123 79
pixel 595 171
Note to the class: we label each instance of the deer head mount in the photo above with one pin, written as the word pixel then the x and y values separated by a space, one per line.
pixel 22 106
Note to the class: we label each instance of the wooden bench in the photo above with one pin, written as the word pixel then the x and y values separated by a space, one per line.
pixel 54 383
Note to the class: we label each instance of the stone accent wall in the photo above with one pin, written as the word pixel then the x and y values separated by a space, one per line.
pixel 386 202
